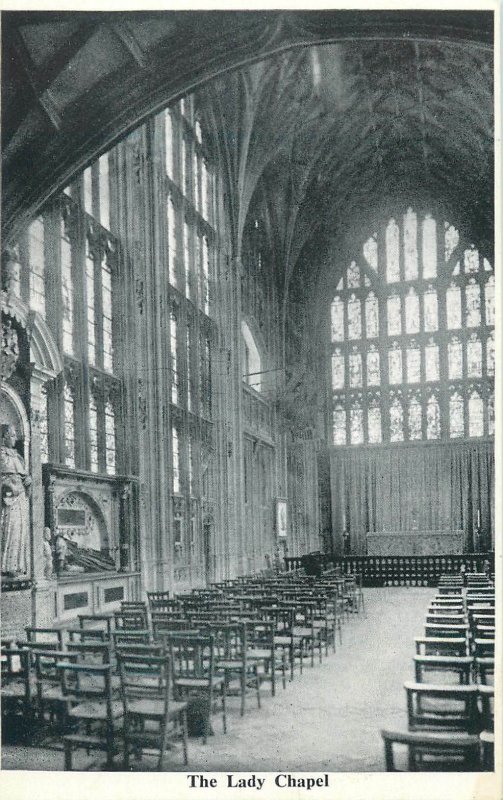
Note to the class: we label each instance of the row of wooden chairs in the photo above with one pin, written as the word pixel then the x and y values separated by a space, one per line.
pixel 126 681
pixel 450 725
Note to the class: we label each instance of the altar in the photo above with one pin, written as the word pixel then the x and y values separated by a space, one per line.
pixel 415 542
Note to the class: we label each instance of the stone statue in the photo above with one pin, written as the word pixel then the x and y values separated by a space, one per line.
pixel 61 549
pixel 15 513
pixel 48 561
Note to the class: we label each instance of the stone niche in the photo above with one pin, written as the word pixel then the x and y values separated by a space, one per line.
pixel 83 512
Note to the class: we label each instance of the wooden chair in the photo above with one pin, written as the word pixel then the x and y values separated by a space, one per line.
pixel 441 646
pixel 49 694
pixel 486 695
pixel 461 666
pixel 442 707
pixel 232 662
pixel 17 689
pixel 487 746
pixel 152 719
pixel 131 620
pixel 193 668
pixel 93 714
pixel 446 629
pixel 157 600
pixel 437 752
pixel 483 648
pixel 485 670
pixel 260 638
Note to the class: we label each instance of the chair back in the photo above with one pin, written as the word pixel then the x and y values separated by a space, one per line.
pixel 45 635
pixel 93 652
pixel 131 620
pixel 144 676
pixel 84 681
pixel 192 656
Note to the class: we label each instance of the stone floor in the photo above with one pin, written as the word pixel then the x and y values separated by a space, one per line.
pixel 328 720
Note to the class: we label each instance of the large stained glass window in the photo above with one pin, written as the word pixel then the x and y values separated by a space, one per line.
pixel 412 336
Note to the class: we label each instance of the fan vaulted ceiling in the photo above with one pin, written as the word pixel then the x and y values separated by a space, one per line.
pixel 402 103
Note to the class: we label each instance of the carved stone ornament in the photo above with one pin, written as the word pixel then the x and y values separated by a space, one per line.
pixel 10 270
pixel 10 349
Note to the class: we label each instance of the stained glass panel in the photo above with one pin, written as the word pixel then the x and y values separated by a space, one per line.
pixel 175 451
pixel 456 416
pixel 412 312
pixel 91 319
pixel 355 370
pixel 392 252
pixel 395 364
pixel 453 302
pixel 356 424
pixel 472 304
pixel 451 240
pixel 67 292
pixel 455 359
pixel 69 427
pixel 337 370
pixel 93 434
pixel 106 302
pixel 370 252
pixel 490 415
pixel 337 320
pixel 410 245
pixel 432 418
pixel 430 310
pixel 396 421
pixel 373 367
pixel 174 357
pixel 354 318
pixel 457 269
pixel 471 260
pixel 394 315
pixel 110 439
pixel 475 415
pixel 487 265
pixel 490 301
pixel 353 276
pixel 474 357
pixel 372 316
pixel 44 426
pixel 429 248
pixel 340 285
pixel 413 364
pixel 415 419
pixel 431 361
pixel 339 425
pixel 490 354
pixel 374 424
pixel 36 234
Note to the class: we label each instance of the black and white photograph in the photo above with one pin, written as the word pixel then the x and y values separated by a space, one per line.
pixel 251 487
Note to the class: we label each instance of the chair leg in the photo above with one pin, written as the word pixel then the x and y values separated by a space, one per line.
pixel 224 710
pixel 184 736
pixel 68 756
pixel 243 691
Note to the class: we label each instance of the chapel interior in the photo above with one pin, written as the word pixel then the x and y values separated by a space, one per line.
pixel 248 389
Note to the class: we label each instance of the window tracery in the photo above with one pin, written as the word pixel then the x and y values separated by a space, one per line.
pixel 401 319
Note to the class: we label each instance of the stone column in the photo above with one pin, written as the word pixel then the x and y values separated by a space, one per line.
pixel 43 586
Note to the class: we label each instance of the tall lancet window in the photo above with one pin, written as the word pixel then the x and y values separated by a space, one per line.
pixel 412 336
